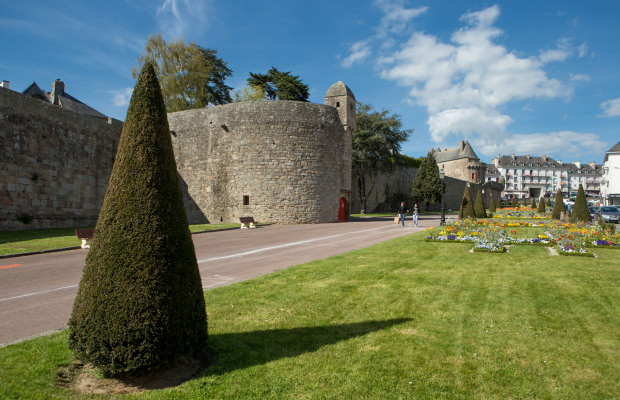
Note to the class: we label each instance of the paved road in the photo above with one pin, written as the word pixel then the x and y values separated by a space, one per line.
pixel 37 292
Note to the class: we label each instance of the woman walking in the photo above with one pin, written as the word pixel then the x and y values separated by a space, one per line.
pixel 416 212
pixel 402 212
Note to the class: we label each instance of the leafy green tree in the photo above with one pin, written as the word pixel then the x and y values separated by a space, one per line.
pixel 479 208
pixel 376 143
pixel 558 205
pixel 467 205
pixel 541 206
pixel 277 85
pixel 190 76
pixel 580 208
pixel 249 93
pixel 140 302
pixel 427 184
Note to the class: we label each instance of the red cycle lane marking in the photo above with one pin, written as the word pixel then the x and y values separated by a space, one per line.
pixel 10 266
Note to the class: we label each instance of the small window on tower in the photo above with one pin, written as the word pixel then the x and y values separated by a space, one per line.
pixel 337 104
pixel 246 200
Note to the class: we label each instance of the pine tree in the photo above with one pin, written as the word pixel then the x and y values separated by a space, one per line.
pixel 558 205
pixel 140 302
pixel 427 184
pixel 467 205
pixel 541 206
pixel 580 208
pixel 479 209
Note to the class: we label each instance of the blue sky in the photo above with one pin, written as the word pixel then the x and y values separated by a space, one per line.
pixel 524 77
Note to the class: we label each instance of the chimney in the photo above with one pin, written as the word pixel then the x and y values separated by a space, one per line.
pixel 5 84
pixel 57 90
pixel 578 164
pixel 592 164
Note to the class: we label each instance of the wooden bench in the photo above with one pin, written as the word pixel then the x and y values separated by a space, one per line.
pixel 247 222
pixel 85 234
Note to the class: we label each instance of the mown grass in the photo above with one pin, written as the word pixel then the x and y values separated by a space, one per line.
pixel 403 319
pixel 15 242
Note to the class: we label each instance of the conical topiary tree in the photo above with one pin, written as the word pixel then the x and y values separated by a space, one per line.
pixel 541 206
pixel 479 209
pixel 558 205
pixel 140 302
pixel 492 207
pixel 499 203
pixel 533 205
pixel 467 205
pixel 580 208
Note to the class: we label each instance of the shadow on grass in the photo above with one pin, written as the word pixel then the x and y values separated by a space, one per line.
pixel 232 351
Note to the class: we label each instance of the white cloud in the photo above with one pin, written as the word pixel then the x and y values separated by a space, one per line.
pixel 572 144
pixel 579 77
pixel 178 17
pixel 468 122
pixel 121 97
pixel 582 50
pixel 611 108
pixel 359 52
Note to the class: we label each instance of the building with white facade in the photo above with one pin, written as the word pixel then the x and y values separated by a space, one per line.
pixel 527 176
pixel 610 181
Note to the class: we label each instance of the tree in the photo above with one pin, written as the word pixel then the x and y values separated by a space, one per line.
pixel 499 203
pixel 533 205
pixel 479 208
pixel 277 85
pixel 467 206
pixel 492 207
pixel 541 206
pixel 190 76
pixel 580 208
pixel 376 143
pixel 558 205
pixel 427 184
pixel 249 93
pixel 140 302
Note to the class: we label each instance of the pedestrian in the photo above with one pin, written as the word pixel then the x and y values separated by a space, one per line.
pixel 416 212
pixel 402 212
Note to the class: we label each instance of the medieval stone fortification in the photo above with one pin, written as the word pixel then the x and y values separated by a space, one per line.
pixel 278 161
pixel 54 163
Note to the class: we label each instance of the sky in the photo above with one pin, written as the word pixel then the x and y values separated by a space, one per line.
pixel 511 77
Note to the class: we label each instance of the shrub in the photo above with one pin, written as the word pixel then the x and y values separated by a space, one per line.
pixel 533 205
pixel 558 206
pixel 140 302
pixel 492 208
pixel 499 203
pixel 479 207
pixel 541 207
pixel 467 206
pixel 580 208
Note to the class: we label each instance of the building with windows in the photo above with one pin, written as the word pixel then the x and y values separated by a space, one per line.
pixel 461 163
pixel 527 176
pixel 610 180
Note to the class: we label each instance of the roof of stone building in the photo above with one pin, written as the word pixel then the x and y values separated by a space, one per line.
pixel 528 161
pixel 463 151
pixel 65 101
pixel 339 89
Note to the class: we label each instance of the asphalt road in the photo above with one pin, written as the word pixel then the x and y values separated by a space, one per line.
pixel 37 291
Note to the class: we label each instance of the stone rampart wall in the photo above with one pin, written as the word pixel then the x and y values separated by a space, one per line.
pixel 385 190
pixel 277 161
pixel 54 164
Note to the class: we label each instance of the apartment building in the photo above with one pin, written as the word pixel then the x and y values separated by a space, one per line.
pixel 610 181
pixel 527 176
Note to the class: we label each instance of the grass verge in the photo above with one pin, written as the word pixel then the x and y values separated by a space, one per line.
pixel 402 319
pixel 15 242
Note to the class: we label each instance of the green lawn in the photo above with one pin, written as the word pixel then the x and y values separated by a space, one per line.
pixel 403 319
pixel 14 242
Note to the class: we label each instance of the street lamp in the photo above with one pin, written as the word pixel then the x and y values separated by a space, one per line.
pixel 442 175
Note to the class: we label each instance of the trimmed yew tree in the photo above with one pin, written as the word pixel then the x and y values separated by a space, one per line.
pixel 541 207
pixel 467 205
pixel 533 205
pixel 140 302
pixel 558 206
pixel 499 203
pixel 580 208
pixel 479 207
pixel 492 207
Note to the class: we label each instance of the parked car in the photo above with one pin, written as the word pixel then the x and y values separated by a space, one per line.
pixel 593 212
pixel 609 214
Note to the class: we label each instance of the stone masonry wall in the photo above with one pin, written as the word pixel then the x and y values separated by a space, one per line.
pixel 384 187
pixel 54 163
pixel 291 159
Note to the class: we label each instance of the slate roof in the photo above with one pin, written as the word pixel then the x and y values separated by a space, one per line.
pixel 66 101
pixel 492 170
pixel 528 161
pixel 463 151
pixel 614 149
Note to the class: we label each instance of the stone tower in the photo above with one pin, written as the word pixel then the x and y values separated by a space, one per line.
pixel 341 97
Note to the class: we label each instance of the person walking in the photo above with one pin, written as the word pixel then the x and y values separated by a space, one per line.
pixel 416 212
pixel 402 212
